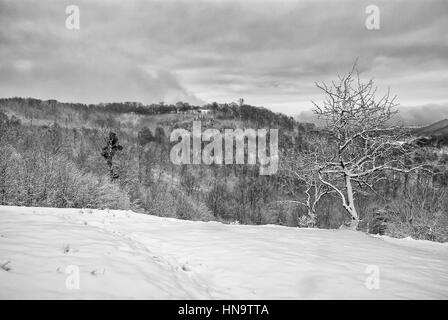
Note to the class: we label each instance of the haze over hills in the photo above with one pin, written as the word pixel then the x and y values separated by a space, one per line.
pixel 410 116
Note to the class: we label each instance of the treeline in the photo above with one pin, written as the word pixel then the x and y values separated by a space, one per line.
pixel 35 108
pixel 113 107
pixel 261 116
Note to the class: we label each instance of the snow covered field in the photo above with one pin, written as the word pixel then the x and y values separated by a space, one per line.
pixel 121 254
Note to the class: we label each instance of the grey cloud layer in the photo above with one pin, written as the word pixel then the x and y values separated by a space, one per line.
pixel 269 52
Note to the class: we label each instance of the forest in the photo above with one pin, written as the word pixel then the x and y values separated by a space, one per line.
pixel 352 173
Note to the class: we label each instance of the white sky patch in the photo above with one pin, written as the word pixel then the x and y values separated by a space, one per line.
pixel 23 65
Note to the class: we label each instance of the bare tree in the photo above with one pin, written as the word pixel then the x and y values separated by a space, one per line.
pixel 361 143
pixel 300 168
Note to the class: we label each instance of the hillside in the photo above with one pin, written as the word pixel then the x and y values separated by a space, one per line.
pixel 173 259
pixel 133 116
pixel 70 169
pixel 434 135
pixel 439 128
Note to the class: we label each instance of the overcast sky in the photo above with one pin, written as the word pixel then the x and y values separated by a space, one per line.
pixel 268 52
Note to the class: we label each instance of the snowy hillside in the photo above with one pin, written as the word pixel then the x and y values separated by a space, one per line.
pixel 121 254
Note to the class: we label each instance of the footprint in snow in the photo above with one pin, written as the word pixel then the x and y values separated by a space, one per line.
pixel 186 267
pixel 66 248
pixel 5 266
pixel 97 272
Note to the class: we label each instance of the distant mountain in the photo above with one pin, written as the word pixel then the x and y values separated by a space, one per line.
pixel 439 128
pixel 435 135
pixel 422 115
pixel 134 116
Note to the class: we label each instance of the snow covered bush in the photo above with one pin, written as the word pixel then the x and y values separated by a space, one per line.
pixel 282 213
pixel 419 212
pixel 11 176
pixel 188 209
pixel 164 200
pixel 53 180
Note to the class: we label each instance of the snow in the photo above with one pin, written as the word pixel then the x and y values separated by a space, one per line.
pixel 126 255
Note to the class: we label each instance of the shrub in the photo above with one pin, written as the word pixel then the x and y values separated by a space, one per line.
pixel 54 181
pixel 421 212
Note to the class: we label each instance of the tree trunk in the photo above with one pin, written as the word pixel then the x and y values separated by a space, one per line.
pixel 350 205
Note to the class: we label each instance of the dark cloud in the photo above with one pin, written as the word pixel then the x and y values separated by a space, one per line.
pixel 269 52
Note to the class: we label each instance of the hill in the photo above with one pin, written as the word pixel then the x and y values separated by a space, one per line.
pixel 42 248
pixel 54 157
pixel 133 116
pixel 439 128
pixel 434 135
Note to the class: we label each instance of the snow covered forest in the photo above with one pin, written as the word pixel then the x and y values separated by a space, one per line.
pixel 56 155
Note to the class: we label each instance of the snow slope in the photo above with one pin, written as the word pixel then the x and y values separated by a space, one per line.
pixel 121 254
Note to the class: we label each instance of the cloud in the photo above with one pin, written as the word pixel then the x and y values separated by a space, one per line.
pixel 424 115
pixel 268 52
pixel 40 58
